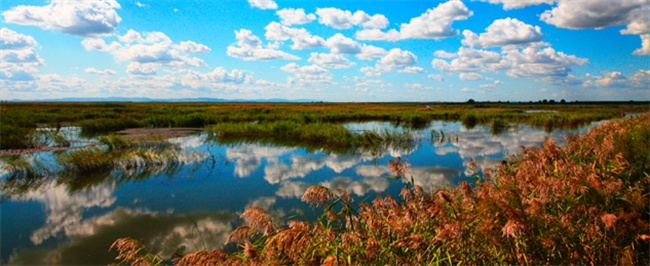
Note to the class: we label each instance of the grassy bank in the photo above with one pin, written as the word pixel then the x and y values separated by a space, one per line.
pixel 18 121
pixel 585 203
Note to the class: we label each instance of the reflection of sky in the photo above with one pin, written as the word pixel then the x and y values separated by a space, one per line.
pixel 199 206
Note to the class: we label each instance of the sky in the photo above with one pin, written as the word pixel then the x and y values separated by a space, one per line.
pixel 344 51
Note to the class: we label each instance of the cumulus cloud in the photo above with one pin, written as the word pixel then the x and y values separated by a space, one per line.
pixel 601 14
pixel 80 18
pixel 436 77
pixel 470 76
pixel 250 48
pixel 504 32
pixel 412 70
pixel 148 51
pixel 511 4
pixel 308 74
pixel 395 59
pixel 301 38
pixel 18 59
pixel 105 72
pixel 615 79
pixel 330 60
pixel 433 24
pixel 263 4
pixel 218 76
pixel 369 52
pixel 340 44
pixel 344 19
pixel 468 60
pixel 290 16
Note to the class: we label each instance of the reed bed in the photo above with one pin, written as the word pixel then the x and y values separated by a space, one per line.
pixel 585 203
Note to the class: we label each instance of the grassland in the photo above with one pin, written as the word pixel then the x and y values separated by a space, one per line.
pixel 585 203
pixel 19 121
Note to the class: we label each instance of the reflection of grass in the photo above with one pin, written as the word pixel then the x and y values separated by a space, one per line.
pixel 120 159
pixel 315 136
pixel 586 203
pixel 19 120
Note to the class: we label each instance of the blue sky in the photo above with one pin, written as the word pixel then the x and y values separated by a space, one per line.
pixel 363 50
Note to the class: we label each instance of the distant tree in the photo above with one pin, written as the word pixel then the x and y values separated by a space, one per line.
pixel 471 101
pixel 545 101
pixel 562 101
pixel 551 101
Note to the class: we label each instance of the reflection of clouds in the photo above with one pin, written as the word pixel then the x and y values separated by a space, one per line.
pixel 289 189
pixel 64 210
pixel 372 170
pixel 249 157
pixel 432 177
pixel 262 202
pixel 427 177
pixel 367 184
pixel 446 150
pixel 481 164
pixel 188 142
pixel 301 166
pixel 479 148
pixel 163 233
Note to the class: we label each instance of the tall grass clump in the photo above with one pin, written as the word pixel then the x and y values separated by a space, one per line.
pixel 585 203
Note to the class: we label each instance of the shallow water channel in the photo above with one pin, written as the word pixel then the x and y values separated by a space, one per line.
pixel 194 203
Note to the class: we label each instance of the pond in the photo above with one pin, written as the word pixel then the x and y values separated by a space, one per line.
pixel 190 198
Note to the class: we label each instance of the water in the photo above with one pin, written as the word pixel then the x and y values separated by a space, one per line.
pixel 195 203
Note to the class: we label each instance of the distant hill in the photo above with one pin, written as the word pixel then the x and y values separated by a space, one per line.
pixel 144 99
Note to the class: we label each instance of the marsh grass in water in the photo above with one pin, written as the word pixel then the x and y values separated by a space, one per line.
pixel 19 121
pixel 330 137
pixel 585 203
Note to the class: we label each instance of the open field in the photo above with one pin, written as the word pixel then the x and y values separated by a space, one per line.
pixel 19 120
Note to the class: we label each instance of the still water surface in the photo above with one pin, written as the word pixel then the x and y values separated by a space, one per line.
pixel 195 204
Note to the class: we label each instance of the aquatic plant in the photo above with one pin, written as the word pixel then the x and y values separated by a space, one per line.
pixel 585 203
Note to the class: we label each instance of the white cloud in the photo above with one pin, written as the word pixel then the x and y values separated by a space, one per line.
pixel 369 52
pixel 81 18
pixel 18 59
pixel 601 14
pixel 413 70
pixel 290 16
pixel 192 47
pixel 470 76
pixel 92 70
pixel 545 64
pixel 308 74
pixel 344 19
pixel 219 75
pixel 301 38
pixel 250 48
pixel 511 4
pixel 645 46
pixel 468 60
pixel 340 44
pixel 504 32
pixel 263 4
pixel 330 60
pixel 466 90
pixel 395 59
pixel 146 54
pixel 591 14
pixel 614 79
pixel 436 77
pixel 433 24
pixel 444 54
